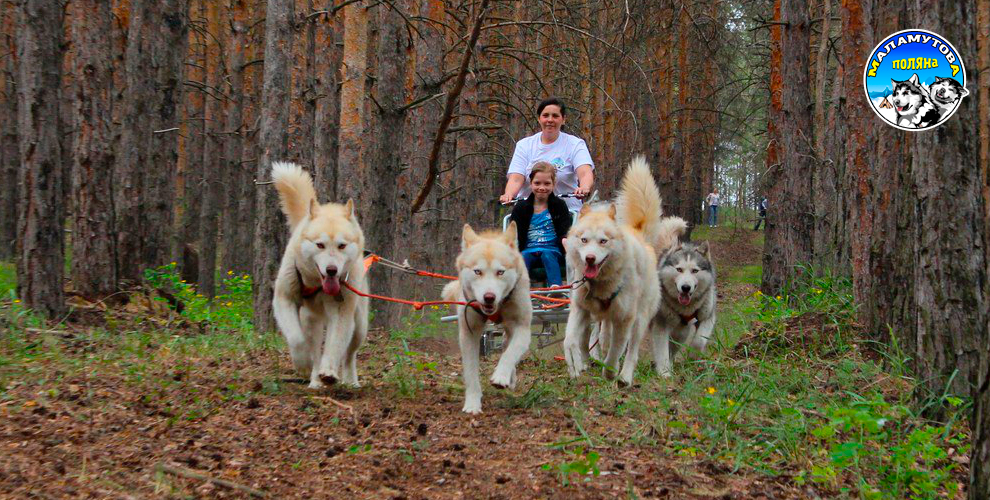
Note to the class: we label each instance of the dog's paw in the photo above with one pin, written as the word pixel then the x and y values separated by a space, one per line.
pixel 625 381
pixel 329 378
pixel 316 385
pixel 472 408
pixel 503 380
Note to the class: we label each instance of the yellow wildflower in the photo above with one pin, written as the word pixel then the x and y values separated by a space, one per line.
pixel 230 303
pixel 229 273
pixel 711 390
pixel 731 402
pixel 171 263
pixel 779 297
pixel 17 301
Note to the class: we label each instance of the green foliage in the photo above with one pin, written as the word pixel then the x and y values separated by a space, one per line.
pixel 404 375
pixel 8 280
pixel 232 309
pixel 888 455
pixel 576 461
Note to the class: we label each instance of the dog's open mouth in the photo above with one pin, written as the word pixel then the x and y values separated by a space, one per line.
pixel 684 298
pixel 488 310
pixel 901 109
pixel 331 285
pixel 591 270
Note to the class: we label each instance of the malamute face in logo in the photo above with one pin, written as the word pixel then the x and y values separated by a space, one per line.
pixel 915 80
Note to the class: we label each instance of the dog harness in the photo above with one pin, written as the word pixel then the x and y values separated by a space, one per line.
pixel 686 319
pixel 606 302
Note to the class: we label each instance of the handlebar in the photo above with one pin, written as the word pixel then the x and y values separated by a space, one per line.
pixel 517 200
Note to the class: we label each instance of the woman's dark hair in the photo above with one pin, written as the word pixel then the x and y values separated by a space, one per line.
pixel 551 101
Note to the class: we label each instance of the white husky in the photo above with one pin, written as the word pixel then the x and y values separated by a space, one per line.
pixel 492 279
pixel 687 310
pixel 615 250
pixel 326 246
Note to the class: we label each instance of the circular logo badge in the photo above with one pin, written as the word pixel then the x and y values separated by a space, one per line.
pixel 915 80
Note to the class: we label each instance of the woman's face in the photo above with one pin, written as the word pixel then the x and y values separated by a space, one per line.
pixel 542 185
pixel 550 119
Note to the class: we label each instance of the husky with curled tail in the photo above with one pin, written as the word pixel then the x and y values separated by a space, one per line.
pixel 492 279
pixel 323 322
pixel 686 317
pixel 614 248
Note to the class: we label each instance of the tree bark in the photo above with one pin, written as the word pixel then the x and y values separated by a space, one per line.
pixel 979 484
pixel 270 229
pixel 238 179
pixel 214 173
pixel 40 261
pixel 791 227
pixel 351 162
pixel 94 250
pixel 327 112
pixel 9 154
pixel 190 164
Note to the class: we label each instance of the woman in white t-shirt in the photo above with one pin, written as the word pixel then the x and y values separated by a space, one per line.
pixel 567 153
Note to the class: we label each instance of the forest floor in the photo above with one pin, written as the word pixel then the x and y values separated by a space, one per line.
pixel 129 401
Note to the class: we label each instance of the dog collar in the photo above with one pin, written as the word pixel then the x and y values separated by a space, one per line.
pixel 607 302
pixel 495 317
pixel 309 292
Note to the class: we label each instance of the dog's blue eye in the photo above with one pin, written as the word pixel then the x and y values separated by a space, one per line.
pixel 477 271
pixel 321 246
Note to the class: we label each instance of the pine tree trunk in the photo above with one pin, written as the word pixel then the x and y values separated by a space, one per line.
pixel 790 231
pixel 94 263
pixel 236 255
pixel 213 164
pixel 191 165
pixel 350 162
pixel 327 112
pixel 41 261
pixel 9 155
pixel 379 223
pixel 979 484
pixel 270 229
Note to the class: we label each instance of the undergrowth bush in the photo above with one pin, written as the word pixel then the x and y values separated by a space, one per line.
pixel 230 309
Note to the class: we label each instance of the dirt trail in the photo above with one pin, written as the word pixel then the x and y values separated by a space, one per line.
pixel 246 419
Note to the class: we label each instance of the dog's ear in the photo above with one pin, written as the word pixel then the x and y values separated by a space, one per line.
pixel 963 92
pixel 703 248
pixel 584 210
pixel 611 211
pixel 314 206
pixel 468 237
pixel 510 235
pixel 350 208
pixel 893 82
pixel 914 79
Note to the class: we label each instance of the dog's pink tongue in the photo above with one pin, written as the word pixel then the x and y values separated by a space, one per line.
pixel 684 299
pixel 331 285
pixel 591 271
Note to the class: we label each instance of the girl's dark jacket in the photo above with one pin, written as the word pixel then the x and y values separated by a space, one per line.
pixel 559 216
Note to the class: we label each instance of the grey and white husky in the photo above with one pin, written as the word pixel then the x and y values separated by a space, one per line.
pixel 687 305
pixel 946 93
pixel 915 109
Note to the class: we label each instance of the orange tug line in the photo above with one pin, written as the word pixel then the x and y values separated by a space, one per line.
pixel 418 305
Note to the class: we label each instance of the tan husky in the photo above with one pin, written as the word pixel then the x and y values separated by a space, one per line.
pixel 323 323
pixel 615 250
pixel 492 279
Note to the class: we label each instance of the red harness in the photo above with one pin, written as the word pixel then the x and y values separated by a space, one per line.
pixel 686 320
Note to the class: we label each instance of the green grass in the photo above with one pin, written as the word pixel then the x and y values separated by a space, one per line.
pixel 751 274
pixel 8 280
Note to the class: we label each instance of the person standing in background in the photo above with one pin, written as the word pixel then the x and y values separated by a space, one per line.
pixel 712 201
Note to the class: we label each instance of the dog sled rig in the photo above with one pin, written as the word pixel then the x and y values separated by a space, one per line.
pixel 549 310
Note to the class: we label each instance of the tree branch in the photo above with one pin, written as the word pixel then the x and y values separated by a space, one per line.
pixel 448 112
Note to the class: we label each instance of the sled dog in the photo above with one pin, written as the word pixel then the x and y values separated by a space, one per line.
pixel 946 92
pixel 614 247
pixel 492 279
pixel 914 107
pixel 323 322
pixel 687 307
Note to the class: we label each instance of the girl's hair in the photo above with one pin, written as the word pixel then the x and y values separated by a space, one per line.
pixel 551 101
pixel 542 166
